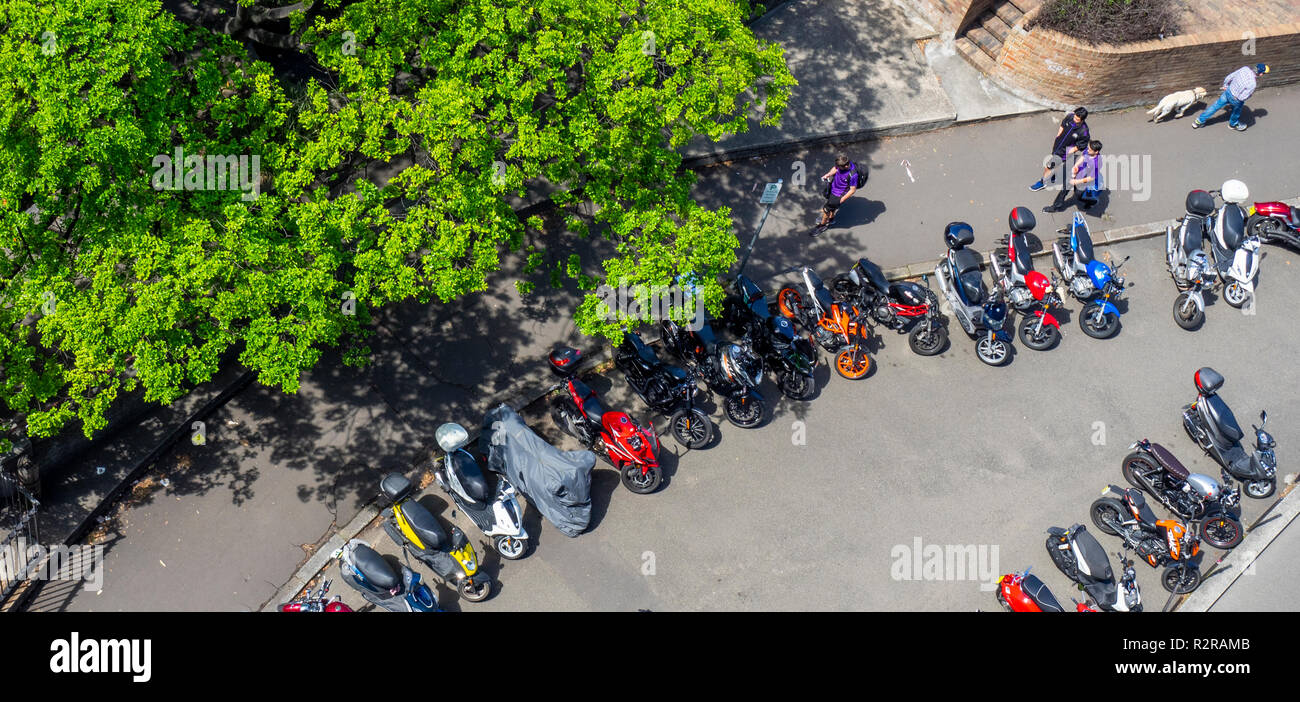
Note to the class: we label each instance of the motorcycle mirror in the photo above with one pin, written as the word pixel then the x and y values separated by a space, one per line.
pixel 1263 417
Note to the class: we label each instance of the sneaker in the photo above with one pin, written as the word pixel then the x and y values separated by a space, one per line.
pixel 817 230
pixel 1197 124
pixel 1050 208
pixel 1037 186
pixel 1238 127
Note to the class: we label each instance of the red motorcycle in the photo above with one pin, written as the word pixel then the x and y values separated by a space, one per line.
pixel 1274 223
pixel 1022 592
pixel 1026 289
pixel 613 435
pixel 316 603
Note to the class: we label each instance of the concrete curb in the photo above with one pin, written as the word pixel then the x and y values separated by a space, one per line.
pixel 1240 558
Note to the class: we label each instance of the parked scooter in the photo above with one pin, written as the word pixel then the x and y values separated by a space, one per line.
pixel 1026 289
pixel 1078 555
pixel 904 306
pixel 1188 265
pixel 1274 223
pixel 447 553
pixel 1233 251
pixel 732 371
pixel 316 602
pixel 838 327
pixel 1022 592
pixel 1193 496
pixel 667 389
pixel 1088 280
pixel 788 356
pixel 1213 427
pixel 1162 542
pixel 982 315
pixel 495 512
pixel 628 446
pixel 367 572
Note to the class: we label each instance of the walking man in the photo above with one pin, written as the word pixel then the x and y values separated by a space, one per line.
pixel 1085 179
pixel 1072 136
pixel 841 182
pixel 1237 89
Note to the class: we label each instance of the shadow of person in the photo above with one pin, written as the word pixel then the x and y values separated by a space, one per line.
pixel 1095 208
pixel 1249 115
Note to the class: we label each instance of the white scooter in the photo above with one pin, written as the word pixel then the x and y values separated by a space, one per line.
pixel 1190 268
pixel 1233 251
pixel 497 514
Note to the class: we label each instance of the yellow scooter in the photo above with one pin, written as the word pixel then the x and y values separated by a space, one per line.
pixel 449 555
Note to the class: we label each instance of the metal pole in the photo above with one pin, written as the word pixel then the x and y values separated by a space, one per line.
pixel 754 239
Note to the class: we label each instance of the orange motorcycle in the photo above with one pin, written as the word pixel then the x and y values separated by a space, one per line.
pixel 839 327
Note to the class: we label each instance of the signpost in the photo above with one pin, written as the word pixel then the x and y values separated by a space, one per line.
pixel 769 196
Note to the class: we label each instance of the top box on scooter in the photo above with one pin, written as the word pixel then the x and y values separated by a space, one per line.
pixel 958 234
pixel 1021 220
pixel 396 487
pixel 1200 203
pixel 564 361
pixel 1208 381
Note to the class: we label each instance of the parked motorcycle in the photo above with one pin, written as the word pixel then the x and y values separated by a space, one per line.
pixel 732 371
pixel 1188 264
pixel 495 512
pixel 1088 280
pixel 448 553
pixel 1274 223
pixel 1164 543
pixel 1077 554
pixel 904 306
pixel 316 602
pixel 838 327
pixel 1233 251
pixel 628 446
pixel 367 572
pixel 1212 426
pixel 1025 289
pixel 981 314
pixel 1022 592
pixel 788 356
pixel 667 389
pixel 1192 496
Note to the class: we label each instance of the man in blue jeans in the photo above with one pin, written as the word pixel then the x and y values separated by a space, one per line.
pixel 1237 88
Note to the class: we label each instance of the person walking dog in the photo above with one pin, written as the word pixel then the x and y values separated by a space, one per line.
pixel 1072 136
pixel 842 181
pixel 1237 89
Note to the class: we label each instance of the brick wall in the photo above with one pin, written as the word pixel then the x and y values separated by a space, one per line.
pixel 1057 69
pixel 945 15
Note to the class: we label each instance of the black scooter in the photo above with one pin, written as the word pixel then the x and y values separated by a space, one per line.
pixel 667 389
pixel 1211 425
pixel 1077 554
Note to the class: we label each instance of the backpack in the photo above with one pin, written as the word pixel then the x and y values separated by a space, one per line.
pixel 859 179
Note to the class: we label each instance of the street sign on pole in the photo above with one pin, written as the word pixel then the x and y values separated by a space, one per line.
pixel 770 192
pixel 769 196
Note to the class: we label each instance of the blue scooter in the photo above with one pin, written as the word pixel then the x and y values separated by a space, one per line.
pixel 367 572
pixel 1088 280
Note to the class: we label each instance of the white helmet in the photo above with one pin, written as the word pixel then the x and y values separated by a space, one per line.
pixel 1234 191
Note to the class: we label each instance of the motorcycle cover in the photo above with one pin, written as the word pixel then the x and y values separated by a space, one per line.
pixel 557 483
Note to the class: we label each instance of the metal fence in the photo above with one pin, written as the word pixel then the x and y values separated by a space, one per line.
pixel 18 532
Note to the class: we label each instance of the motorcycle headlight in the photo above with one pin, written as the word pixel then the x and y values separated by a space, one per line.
pixel 635 442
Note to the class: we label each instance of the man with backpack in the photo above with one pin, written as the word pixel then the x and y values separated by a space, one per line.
pixel 841 182
pixel 1085 179
pixel 1071 137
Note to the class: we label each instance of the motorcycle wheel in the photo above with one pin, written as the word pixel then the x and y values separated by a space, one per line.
pixel 1186 313
pixel 1262 227
pixel 1136 464
pixel 796 386
pixel 842 289
pixel 1045 339
pixel 1180 578
pixel 994 353
pixel 853 364
pixel 1235 294
pixel 1103 328
pixel 1222 532
pixel 474 593
pixel 1062 559
pixel 1260 489
pixel 744 412
pixel 511 548
pixel 641 484
pixel 692 428
pixel 787 301
pixel 927 342
pixel 1105 512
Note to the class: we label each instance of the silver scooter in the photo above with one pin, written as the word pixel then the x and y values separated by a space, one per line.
pixel 1191 269
pixel 497 514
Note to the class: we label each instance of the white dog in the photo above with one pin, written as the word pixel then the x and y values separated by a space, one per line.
pixel 1181 101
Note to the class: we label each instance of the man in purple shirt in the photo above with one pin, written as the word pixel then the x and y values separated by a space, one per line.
pixel 842 181
pixel 1237 88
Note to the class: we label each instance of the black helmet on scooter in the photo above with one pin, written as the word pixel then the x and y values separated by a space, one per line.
pixel 1200 203
pixel 1021 220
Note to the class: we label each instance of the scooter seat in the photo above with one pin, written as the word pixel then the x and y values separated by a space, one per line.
pixel 1145 514
pixel 1038 592
pixel 1166 459
pixel 1094 554
pixel 1083 246
pixel 373 567
pixel 425 526
pixel 1191 235
pixel 1223 418
pixel 972 284
pixel 967 261
pixel 1234 226
pixel 1024 263
pixel 470 476
pixel 590 401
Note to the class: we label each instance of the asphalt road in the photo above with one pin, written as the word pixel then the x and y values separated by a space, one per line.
pixel 943 450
